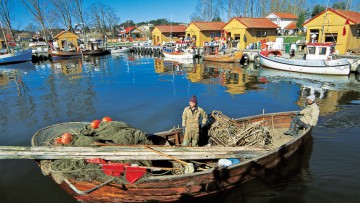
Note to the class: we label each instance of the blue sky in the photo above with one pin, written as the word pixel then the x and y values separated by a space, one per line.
pixel 136 10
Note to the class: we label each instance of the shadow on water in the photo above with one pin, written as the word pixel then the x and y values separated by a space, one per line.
pixel 274 185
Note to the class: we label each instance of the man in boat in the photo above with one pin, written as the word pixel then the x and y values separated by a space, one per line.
pixel 306 118
pixel 191 122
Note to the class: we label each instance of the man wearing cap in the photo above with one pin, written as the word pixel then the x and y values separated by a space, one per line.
pixel 191 122
pixel 307 117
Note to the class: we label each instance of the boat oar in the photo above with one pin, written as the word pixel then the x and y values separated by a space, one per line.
pixel 189 167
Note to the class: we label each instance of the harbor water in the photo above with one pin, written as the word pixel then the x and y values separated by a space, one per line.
pixel 150 94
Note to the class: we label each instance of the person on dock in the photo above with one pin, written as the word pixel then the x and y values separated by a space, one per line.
pixel 191 122
pixel 306 118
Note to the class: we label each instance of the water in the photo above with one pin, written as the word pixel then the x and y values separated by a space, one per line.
pixel 150 94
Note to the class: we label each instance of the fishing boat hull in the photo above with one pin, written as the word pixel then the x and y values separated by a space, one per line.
pixel 17 57
pixel 169 188
pixel 120 50
pixel 227 58
pixel 59 54
pixel 313 66
pixel 178 55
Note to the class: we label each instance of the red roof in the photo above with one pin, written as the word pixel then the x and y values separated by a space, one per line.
pixel 353 17
pixel 171 28
pixel 291 26
pixel 203 26
pixel 256 22
pixel 127 30
pixel 286 15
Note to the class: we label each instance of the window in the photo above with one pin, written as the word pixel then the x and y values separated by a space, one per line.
pixel 358 33
pixel 311 50
pixel 261 33
pixel 322 50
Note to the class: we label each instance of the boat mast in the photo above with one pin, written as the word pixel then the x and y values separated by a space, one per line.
pixel 6 44
pixel 323 26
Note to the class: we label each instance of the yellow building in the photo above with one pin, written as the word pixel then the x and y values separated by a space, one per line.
pixel 204 31
pixel 66 38
pixel 167 33
pixel 335 25
pixel 246 31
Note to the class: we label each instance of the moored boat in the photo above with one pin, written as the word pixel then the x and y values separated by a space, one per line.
pixel 120 49
pixel 318 60
pixel 225 58
pixel 16 57
pixel 178 55
pixel 207 178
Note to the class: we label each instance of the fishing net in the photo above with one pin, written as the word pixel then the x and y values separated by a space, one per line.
pixel 83 135
pixel 227 132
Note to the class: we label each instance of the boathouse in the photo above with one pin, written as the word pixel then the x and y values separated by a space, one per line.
pixel 65 38
pixel 285 21
pixel 247 31
pixel 335 25
pixel 203 32
pixel 167 33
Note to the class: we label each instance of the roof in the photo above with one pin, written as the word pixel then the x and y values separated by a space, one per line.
pixel 353 17
pixel 203 26
pixel 62 32
pixel 171 28
pixel 291 26
pixel 256 22
pixel 285 15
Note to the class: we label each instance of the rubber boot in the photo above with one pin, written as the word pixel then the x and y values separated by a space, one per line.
pixel 185 143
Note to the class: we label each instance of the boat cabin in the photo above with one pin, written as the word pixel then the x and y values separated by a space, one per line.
pixel 320 51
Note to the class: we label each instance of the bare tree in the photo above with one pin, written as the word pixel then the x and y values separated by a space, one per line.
pixel 78 11
pixel 5 16
pixel 38 9
pixel 64 11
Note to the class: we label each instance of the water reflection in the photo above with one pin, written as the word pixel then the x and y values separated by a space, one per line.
pixel 330 90
pixel 230 75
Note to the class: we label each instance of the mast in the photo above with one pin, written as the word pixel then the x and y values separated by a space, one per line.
pixel 323 26
pixel 7 46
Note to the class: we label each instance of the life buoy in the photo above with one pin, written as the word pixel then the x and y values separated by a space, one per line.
pixel 130 39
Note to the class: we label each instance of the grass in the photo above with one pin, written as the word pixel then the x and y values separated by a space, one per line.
pixel 292 39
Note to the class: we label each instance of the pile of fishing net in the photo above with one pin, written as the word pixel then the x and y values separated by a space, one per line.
pixel 83 135
pixel 227 132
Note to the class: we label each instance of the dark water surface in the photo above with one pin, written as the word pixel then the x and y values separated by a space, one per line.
pixel 150 94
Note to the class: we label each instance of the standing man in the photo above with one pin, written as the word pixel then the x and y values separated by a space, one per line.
pixel 191 122
pixel 308 117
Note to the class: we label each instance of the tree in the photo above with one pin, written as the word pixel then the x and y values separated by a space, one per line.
pixel 216 19
pixel 339 5
pixel 317 9
pixel 31 27
pixel 5 16
pixel 64 12
pixel 301 18
pixel 38 8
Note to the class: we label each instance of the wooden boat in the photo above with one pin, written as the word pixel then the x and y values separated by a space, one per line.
pixel 225 58
pixel 16 57
pixel 98 52
pixel 205 180
pixel 318 60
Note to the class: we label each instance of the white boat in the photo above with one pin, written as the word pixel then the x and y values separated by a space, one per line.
pixel 178 55
pixel 318 60
pixel 16 57
pixel 120 49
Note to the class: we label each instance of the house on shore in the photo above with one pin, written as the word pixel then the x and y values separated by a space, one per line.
pixel 202 32
pixel 335 25
pixel 285 21
pixel 65 39
pixel 247 31
pixel 167 33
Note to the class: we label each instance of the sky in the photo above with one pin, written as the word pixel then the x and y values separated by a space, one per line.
pixel 136 10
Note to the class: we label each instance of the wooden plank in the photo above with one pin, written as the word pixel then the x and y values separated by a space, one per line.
pixel 127 153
